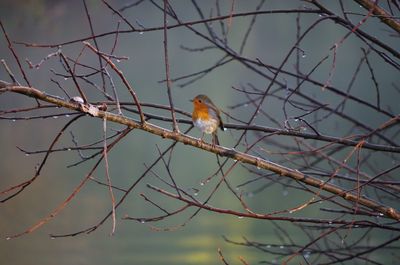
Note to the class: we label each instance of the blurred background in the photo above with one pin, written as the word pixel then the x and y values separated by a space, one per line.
pixel 52 22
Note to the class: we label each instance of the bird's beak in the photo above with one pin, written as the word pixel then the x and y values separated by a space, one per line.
pixel 191 100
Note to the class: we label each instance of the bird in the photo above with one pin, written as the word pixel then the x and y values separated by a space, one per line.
pixel 206 116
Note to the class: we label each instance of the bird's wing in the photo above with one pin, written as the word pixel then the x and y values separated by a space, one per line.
pixel 217 113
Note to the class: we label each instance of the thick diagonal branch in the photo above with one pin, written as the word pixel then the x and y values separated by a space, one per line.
pixel 222 151
pixel 384 16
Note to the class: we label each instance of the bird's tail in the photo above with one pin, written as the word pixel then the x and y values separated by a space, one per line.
pixel 221 125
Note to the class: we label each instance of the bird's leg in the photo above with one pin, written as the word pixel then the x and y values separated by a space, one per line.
pixel 215 140
pixel 201 139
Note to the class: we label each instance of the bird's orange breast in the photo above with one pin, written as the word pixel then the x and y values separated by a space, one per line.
pixel 200 112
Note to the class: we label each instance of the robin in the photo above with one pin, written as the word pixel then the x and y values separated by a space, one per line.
pixel 206 117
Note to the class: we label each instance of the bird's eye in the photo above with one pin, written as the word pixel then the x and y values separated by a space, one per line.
pixel 199 100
